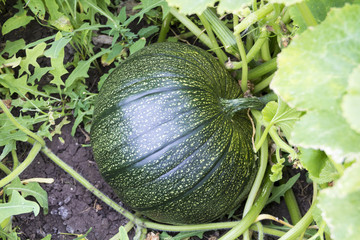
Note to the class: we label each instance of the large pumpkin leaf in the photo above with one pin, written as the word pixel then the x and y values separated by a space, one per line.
pixel 350 104
pixel 314 74
pixel 343 219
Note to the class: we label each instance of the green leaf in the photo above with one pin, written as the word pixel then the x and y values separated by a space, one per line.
pixel 58 45
pixel 139 44
pixel 58 19
pixel 123 233
pixel 286 2
pixel 318 8
pixel 57 61
pixel 17 205
pixel 47 237
pixel 13 47
pixel 148 31
pixel 340 205
pixel 37 7
pixel 12 62
pixel 281 115
pixel 350 102
pixel 313 75
pixel 313 160
pixel 230 6
pixel 276 170
pixel 31 57
pixel 20 19
pixel 19 85
pixel 279 191
pixel 81 70
pixel 31 189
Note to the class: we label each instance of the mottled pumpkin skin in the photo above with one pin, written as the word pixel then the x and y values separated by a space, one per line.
pixel 164 143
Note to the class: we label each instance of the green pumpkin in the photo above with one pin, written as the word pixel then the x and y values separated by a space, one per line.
pixel 165 140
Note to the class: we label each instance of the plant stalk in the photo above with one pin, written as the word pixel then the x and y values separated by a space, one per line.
pixel 165 26
pixel 219 53
pixel 192 27
pixel 255 210
pixel 28 160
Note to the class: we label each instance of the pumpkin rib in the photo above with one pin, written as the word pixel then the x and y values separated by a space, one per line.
pixel 201 181
pixel 143 160
pixel 175 168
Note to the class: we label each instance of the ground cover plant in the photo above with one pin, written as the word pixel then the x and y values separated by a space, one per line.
pixel 303 56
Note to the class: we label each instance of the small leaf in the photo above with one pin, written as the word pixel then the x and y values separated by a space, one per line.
pixel 12 62
pixel 276 170
pixel 20 19
pixel 340 205
pixel 31 57
pixel 148 31
pixel 17 205
pixel 58 19
pixel 37 7
pixel 81 70
pixel 13 47
pixel 31 189
pixel 279 191
pixel 57 63
pixel 139 44
pixel 313 160
pixel 19 85
pixel 57 46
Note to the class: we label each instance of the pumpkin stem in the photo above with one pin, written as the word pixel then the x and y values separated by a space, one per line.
pixel 231 106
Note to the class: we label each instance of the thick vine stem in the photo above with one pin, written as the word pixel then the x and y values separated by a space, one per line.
pixel 165 26
pixel 219 53
pixel 264 153
pixel 28 160
pixel 255 210
pixel 301 226
pixel 192 27
pixel 254 17
pixel 263 69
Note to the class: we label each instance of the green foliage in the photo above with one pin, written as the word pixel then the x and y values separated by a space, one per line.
pixel 17 205
pixel 279 191
pixel 331 61
pixel 340 205
pixel 30 189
